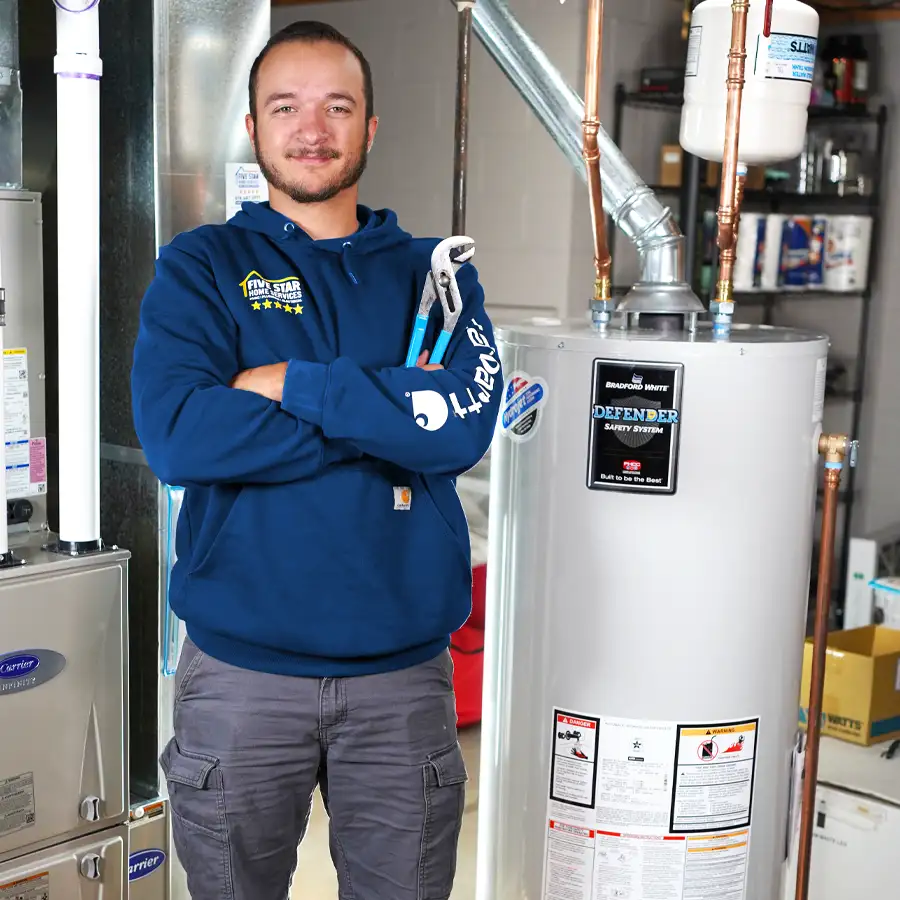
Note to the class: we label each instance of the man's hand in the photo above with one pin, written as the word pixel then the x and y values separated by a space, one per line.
pixel 422 363
pixel 267 381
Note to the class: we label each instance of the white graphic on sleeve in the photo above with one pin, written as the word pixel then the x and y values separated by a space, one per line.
pixel 429 409
pixel 488 367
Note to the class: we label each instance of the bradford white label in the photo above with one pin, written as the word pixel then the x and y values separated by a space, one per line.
pixel 635 421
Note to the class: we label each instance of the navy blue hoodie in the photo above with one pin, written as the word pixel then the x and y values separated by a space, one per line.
pixel 322 535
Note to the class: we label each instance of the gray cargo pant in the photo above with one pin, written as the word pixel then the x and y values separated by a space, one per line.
pixel 250 748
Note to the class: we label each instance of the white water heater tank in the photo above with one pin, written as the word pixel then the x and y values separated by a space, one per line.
pixel 778 80
pixel 651 522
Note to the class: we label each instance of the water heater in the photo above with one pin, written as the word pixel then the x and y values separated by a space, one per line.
pixel 651 514
pixel 781 55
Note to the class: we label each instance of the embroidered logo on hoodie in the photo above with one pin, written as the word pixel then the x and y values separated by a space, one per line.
pixel 273 293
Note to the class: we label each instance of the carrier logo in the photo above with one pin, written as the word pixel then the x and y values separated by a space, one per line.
pixel 26 669
pixel 267 293
pixel 144 863
pixel 16 666
pixel 429 409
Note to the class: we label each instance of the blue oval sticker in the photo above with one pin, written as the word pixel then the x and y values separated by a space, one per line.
pixel 22 670
pixel 17 666
pixel 143 863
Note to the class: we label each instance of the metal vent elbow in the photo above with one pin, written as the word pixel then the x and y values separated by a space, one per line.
pixel 632 206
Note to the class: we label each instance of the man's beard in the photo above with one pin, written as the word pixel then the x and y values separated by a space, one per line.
pixel 347 177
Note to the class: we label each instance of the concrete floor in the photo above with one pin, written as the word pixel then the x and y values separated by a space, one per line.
pixel 315 878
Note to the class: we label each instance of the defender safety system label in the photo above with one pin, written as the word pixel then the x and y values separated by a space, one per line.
pixel 635 425
pixel 670 808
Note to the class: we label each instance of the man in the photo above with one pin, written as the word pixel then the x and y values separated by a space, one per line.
pixel 323 555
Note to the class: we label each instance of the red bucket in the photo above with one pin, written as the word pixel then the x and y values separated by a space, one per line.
pixel 467 651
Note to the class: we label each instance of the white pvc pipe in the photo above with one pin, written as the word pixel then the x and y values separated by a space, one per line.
pixel 78 69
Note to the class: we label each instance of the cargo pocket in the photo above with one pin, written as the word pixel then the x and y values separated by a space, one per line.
pixel 445 795
pixel 197 804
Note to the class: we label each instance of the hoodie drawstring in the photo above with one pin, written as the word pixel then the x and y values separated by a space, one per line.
pixel 346 262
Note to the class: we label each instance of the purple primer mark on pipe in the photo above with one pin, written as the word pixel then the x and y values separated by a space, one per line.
pixel 89 75
pixel 59 5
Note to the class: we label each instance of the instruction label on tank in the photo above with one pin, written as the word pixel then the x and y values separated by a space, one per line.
pixel 26 460
pixel 34 887
pixel 16 803
pixel 786 57
pixel 692 66
pixel 635 423
pixel 714 777
pixel 625 847
pixel 819 395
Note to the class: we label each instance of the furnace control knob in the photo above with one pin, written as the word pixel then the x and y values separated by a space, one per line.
pixel 90 866
pixel 90 809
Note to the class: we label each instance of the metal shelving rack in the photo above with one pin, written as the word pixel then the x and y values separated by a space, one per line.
pixel 694 198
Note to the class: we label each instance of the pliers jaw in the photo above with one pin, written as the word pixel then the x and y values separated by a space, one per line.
pixel 441 285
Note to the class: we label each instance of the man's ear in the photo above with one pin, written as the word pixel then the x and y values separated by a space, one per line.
pixel 371 128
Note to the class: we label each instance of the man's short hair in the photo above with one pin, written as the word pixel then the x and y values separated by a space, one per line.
pixel 310 32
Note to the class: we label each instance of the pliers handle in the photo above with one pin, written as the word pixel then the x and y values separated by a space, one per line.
pixel 440 284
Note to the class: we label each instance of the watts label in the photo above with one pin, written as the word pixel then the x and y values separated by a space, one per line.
pixel 635 420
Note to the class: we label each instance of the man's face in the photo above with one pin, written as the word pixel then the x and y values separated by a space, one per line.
pixel 310 137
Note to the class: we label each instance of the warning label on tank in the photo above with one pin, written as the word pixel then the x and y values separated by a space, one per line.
pixel 16 803
pixel 625 847
pixel 786 57
pixel 714 777
pixel 574 765
pixel 635 421
pixel 34 887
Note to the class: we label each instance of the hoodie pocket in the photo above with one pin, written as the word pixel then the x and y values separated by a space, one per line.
pixel 211 525
pixel 343 566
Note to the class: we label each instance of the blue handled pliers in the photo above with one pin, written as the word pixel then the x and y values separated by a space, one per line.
pixel 440 284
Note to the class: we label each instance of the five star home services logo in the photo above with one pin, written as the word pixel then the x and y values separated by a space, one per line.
pixel 266 293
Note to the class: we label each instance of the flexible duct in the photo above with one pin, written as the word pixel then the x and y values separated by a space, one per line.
pixel 10 97
pixel 630 203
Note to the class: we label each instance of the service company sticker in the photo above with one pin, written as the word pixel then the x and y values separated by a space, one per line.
pixel 523 400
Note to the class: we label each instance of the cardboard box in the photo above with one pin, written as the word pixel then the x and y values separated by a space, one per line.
pixel 756 176
pixel 670 162
pixel 856 831
pixel 861 703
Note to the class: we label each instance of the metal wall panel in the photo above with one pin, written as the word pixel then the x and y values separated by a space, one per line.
pixel 204 52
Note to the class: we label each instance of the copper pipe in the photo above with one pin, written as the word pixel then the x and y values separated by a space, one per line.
pixel 834 448
pixel 461 145
pixel 738 201
pixel 591 149
pixel 728 193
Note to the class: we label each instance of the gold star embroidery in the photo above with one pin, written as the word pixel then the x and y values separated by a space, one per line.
pixel 257 305
pixel 298 309
pixel 287 308
pixel 268 304
pixel 277 305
